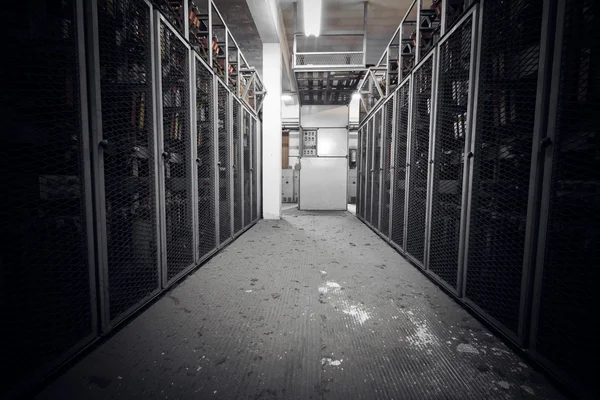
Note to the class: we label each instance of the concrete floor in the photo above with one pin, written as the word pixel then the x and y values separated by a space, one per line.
pixel 314 306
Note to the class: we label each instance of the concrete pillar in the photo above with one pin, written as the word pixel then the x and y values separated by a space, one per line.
pixel 271 143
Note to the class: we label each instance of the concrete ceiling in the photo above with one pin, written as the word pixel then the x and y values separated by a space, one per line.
pixel 383 19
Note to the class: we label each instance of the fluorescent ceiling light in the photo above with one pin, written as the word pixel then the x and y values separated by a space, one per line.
pixel 286 97
pixel 312 17
pixel 356 96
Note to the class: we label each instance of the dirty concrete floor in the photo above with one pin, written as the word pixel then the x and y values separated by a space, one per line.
pixel 314 306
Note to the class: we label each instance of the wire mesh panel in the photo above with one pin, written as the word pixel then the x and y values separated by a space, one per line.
pixel 402 109
pixel 570 274
pixel 419 149
pixel 376 167
pixel 248 122
pixel 174 68
pixel 359 171
pixel 510 46
pixel 129 158
pixel 237 126
pixel 368 172
pixel 385 174
pixel 454 63
pixel 223 164
pixel 205 159
pixel 46 299
pixel 254 138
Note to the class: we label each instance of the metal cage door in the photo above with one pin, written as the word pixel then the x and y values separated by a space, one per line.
pixel 403 100
pixel 224 145
pixel 452 130
pixel 205 159
pixel 128 169
pixel 176 150
pixel 376 167
pixel 419 159
pixel 247 167
pixel 238 124
pixel 386 181
pixel 567 275
pixel 48 284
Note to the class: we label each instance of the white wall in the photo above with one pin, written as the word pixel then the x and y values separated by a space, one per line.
pixel 272 131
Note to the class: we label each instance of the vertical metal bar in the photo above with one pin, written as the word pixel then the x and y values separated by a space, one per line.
pixel 194 155
pixel 91 22
pixel 160 161
pixel 186 20
pixel 418 44
pixel 251 166
pixel 95 103
pixel 226 62
pixel 242 170
pixel 210 35
pixel 465 216
pixel 365 20
pixel 367 167
pixel 392 172
pixel 470 167
pixel 545 161
pixel 372 167
pixel 231 164
pixel 154 65
pixel 432 160
pixel 217 169
pixel 444 18
pixel 381 161
pixel 409 139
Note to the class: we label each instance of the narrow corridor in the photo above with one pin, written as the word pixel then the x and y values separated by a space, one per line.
pixel 314 306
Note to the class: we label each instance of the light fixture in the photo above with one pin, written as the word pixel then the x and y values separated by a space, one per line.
pixel 312 17
pixel 356 96
pixel 286 97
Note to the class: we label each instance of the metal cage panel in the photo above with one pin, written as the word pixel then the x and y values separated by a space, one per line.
pixel 376 167
pixel 247 167
pixel 176 147
pixel 502 156
pixel 569 275
pixel 368 171
pixel 237 126
pixel 363 171
pixel 334 59
pixel 400 161
pixel 224 163
pixel 419 160
pixel 205 159
pixel 451 132
pixel 47 287
pixel 129 205
pixel 254 170
pixel 386 168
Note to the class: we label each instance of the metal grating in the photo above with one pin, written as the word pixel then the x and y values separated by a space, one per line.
pixel 46 300
pixel 376 167
pixel 369 171
pixel 386 177
pixel 501 169
pixel 223 164
pixel 237 166
pixel 342 59
pixel 247 168
pixel 454 58
pixel 205 159
pixel 569 291
pixel 129 159
pixel 419 150
pixel 402 109
pixel 176 152
pixel 254 138
pixel 327 87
